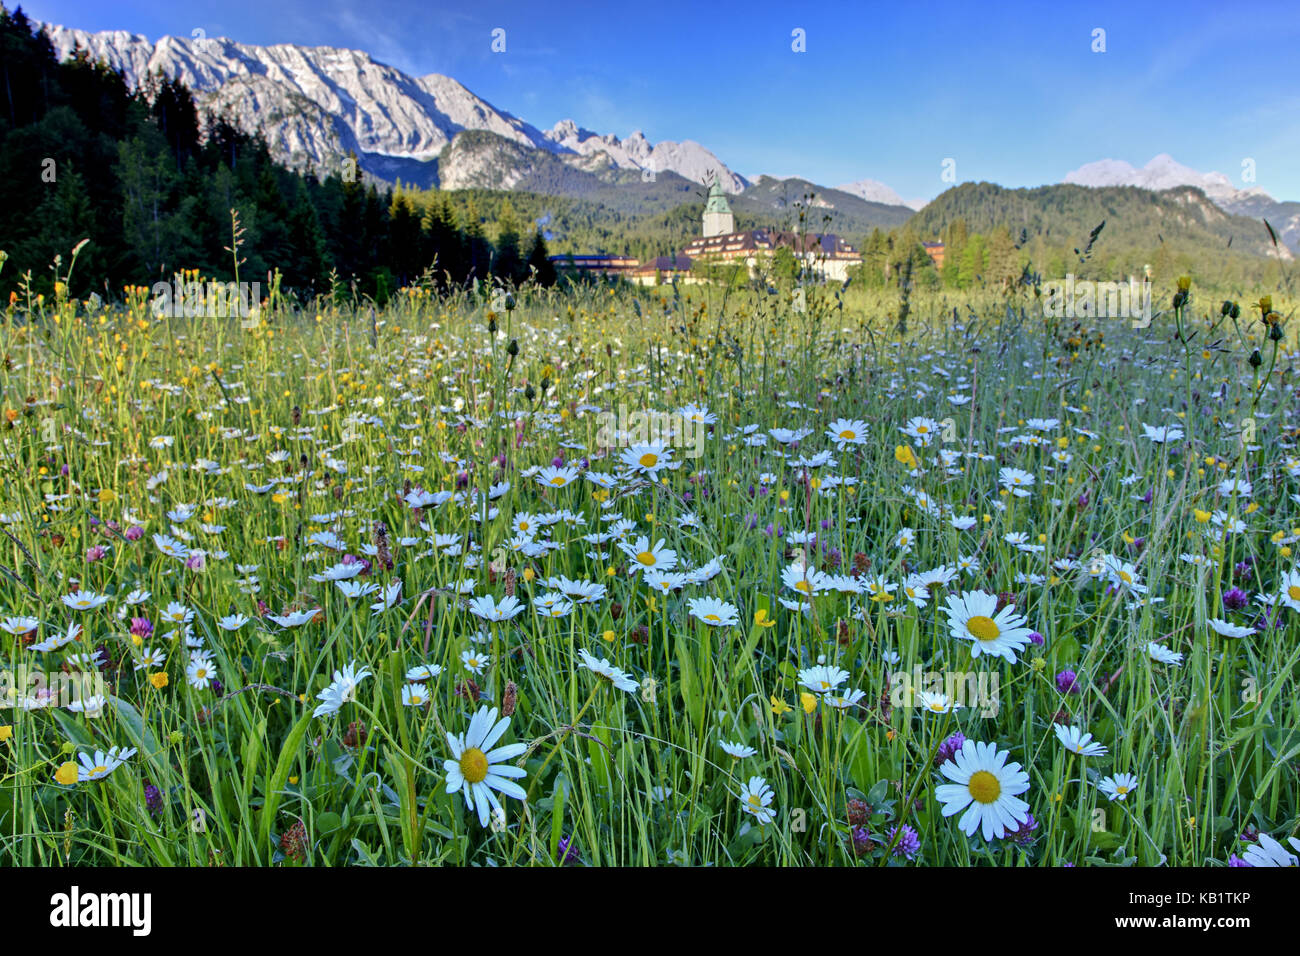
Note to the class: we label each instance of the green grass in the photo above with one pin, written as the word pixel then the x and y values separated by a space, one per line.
pixel 424 395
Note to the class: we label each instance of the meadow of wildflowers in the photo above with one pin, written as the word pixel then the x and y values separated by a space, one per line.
pixel 352 586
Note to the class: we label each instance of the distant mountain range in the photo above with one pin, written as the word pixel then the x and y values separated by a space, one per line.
pixel 877 192
pixel 1136 219
pixel 1164 172
pixel 315 105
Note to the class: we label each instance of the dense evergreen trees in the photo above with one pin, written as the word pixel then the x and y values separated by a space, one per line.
pixel 82 156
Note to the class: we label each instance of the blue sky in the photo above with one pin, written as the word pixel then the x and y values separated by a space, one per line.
pixel 1014 95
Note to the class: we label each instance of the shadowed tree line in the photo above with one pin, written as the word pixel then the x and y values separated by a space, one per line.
pixel 152 187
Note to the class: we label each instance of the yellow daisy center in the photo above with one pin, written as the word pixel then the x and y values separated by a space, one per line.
pixel 648 460
pixel 647 558
pixel 712 617
pixel 473 765
pixel 848 434
pixel 1294 592
pixel 803 586
pixel 984 787
pixel 755 801
pixel 1126 577
pixel 100 769
pixel 984 628
pixel 558 480
pixel 922 429
pixel 1121 789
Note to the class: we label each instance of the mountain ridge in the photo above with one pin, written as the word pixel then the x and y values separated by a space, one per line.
pixel 315 105
pixel 1162 172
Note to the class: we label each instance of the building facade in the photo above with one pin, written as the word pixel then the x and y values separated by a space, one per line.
pixel 827 257
pixel 718 220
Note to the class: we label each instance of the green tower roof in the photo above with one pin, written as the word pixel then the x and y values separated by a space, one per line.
pixel 717 201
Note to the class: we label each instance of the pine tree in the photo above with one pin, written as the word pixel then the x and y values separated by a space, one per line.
pixel 407 253
pixel 972 268
pixel 173 109
pixel 508 264
pixel 478 252
pixel 539 267
pixel 308 264
pixel 1003 266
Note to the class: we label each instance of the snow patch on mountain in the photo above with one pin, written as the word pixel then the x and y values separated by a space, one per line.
pixel 873 191
pixel 1164 172
pixel 316 104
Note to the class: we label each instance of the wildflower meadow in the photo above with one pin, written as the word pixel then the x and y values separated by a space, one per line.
pixel 687 575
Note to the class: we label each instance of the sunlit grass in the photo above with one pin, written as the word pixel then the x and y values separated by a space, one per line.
pixel 325 420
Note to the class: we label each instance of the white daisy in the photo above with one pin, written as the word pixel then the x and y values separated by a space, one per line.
pixel 477 771
pixel 1269 852
pixel 737 750
pixel 936 703
pixel 822 678
pixel 342 690
pixel 102 764
pixel 200 672
pixel 414 695
pixel 756 798
pixel 1289 590
pixel 846 431
pixel 1119 786
pixel 85 600
pixel 647 459
pixel 1076 741
pixel 488 609
pixel 1163 655
pixel 606 671
pixel 713 612
pixel 644 556
pixel 1228 629
pixel 986 787
pixel 974 617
